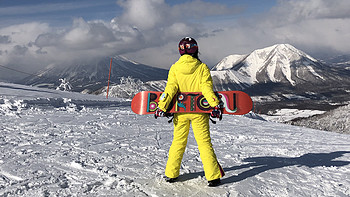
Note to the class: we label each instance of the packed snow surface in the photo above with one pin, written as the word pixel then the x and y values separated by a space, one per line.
pixel 52 144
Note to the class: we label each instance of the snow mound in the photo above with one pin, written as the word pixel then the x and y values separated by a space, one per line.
pixel 14 98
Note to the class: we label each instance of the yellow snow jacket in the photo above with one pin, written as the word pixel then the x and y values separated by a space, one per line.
pixel 188 74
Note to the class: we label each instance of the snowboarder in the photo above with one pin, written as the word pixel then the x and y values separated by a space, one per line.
pixel 189 74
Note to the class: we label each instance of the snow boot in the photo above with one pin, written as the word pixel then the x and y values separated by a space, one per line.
pixel 214 183
pixel 170 180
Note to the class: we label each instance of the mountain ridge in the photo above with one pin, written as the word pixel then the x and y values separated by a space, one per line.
pixel 266 74
pixel 89 77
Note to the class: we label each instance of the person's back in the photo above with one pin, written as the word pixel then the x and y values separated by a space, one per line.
pixel 189 74
pixel 188 71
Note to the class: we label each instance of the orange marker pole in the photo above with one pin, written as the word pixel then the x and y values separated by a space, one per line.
pixel 109 77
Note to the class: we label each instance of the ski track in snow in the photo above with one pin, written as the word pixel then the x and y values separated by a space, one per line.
pixel 110 151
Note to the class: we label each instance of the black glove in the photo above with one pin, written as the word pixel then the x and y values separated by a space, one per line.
pixel 217 112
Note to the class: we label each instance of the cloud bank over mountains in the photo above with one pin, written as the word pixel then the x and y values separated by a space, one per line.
pixel 148 31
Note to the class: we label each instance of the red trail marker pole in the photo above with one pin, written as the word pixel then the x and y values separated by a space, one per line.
pixel 109 77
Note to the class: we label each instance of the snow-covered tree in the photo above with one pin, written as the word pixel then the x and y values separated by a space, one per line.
pixel 64 86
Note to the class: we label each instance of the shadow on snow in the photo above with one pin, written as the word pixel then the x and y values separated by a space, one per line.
pixel 257 165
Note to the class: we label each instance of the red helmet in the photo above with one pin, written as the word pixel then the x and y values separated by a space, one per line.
pixel 189 46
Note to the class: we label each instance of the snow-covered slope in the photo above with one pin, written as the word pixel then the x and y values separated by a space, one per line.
pixel 341 60
pixel 281 63
pixel 103 149
pixel 337 120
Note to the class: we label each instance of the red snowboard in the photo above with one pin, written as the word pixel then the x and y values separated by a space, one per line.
pixel 235 102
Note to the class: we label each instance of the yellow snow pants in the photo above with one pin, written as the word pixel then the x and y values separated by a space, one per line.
pixel 200 127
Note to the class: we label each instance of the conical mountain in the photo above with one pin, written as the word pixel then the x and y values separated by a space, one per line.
pixel 281 63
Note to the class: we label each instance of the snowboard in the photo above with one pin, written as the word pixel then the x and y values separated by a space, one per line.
pixel 234 102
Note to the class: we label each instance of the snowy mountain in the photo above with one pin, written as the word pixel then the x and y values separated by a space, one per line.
pixel 56 143
pixel 285 76
pixel 281 63
pixel 93 76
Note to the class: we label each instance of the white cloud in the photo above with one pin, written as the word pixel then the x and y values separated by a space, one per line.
pixel 88 35
pixel 24 33
pixel 19 48
pixel 144 14
pixel 298 10
pixel 143 24
pixel 318 27
pixel 315 25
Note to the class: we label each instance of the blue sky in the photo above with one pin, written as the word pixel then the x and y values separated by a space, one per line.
pixel 34 34
pixel 61 12
pixel 55 12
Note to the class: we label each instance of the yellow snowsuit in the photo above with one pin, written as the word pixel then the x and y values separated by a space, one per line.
pixel 189 74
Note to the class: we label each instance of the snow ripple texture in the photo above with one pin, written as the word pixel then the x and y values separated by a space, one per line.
pixel 109 151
